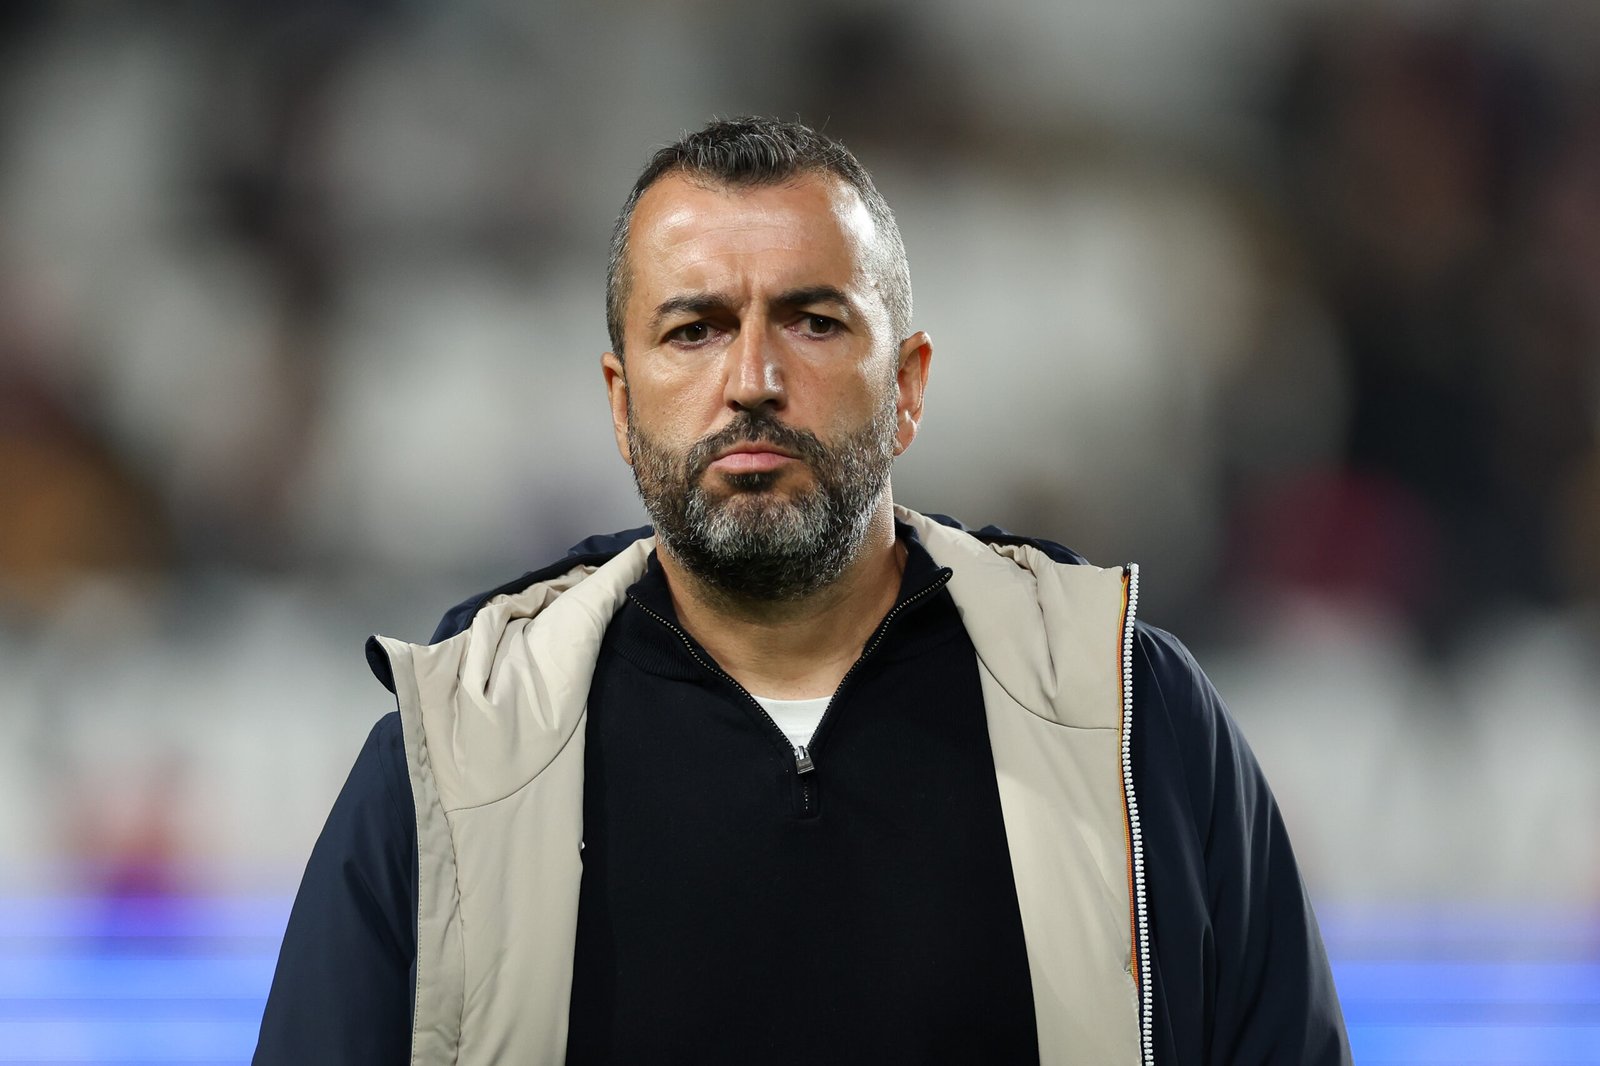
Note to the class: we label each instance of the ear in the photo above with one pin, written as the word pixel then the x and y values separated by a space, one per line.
pixel 617 393
pixel 911 379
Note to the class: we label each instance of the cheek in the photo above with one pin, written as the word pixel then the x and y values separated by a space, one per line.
pixel 668 416
pixel 864 393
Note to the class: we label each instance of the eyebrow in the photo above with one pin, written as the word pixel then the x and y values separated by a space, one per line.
pixel 700 303
pixel 693 303
pixel 813 294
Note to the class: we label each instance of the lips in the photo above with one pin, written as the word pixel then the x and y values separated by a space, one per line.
pixel 752 443
pixel 751 459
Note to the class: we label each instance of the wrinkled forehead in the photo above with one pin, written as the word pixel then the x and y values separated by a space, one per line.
pixel 683 219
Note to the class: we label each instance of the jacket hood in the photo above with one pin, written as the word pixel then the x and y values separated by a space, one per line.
pixel 513 684
pixel 1023 602
pixel 516 662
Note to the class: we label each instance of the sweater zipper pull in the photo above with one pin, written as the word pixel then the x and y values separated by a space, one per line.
pixel 802 760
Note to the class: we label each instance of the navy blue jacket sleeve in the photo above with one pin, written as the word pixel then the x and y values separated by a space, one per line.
pixel 1241 976
pixel 342 990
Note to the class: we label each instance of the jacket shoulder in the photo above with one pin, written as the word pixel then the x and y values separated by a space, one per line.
pixel 1185 739
pixel 992 534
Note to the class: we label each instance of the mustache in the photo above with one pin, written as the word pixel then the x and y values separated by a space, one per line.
pixel 751 427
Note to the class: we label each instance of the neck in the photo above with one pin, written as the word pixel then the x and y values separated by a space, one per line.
pixel 793 649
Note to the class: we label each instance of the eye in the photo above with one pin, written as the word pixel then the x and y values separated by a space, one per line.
pixel 818 325
pixel 693 333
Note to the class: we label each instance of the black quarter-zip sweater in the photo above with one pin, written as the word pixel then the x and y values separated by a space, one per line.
pixel 733 909
pixel 737 907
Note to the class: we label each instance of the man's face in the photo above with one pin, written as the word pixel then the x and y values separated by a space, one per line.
pixel 764 397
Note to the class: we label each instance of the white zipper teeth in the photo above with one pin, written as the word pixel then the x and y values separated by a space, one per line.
pixel 1147 1051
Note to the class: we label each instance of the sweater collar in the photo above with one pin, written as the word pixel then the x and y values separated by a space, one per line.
pixel 661 650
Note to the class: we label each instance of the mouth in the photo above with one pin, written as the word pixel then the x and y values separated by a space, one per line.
pixel 753 457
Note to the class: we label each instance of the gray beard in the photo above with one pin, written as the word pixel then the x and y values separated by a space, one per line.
pixel 752 544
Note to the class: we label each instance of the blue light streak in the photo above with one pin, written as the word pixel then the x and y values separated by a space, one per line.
pixel 185 980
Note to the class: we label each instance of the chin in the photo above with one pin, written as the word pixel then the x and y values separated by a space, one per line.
pixel 742 484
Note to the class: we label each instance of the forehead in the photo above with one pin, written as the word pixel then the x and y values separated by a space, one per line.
pixel 686 234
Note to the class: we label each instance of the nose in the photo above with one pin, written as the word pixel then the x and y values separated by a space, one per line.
pixel 753 370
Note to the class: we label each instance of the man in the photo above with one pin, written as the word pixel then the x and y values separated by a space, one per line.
pixel 803 777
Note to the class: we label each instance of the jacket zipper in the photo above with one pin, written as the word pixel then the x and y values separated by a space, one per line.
pixel 1141 915
pixel 804 762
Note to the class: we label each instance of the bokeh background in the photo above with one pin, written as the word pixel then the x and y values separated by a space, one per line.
pixel 1295 303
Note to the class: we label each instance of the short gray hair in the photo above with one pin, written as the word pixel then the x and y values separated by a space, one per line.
pixel 750 152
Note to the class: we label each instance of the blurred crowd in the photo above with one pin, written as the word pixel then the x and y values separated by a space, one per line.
pixel 300 316
pixel 1443 187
